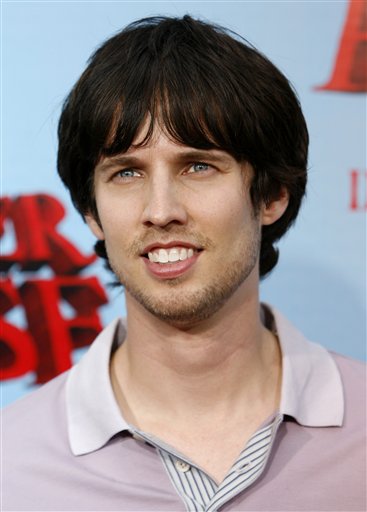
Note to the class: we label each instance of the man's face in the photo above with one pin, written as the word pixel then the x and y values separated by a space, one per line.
pixel 179 227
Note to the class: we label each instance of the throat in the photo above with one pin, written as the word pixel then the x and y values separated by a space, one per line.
pixel 212 438
pixel 200 382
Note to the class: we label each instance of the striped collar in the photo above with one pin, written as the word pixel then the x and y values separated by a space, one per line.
pixel 312 391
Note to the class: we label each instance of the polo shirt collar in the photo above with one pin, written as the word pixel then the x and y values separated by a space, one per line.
pixel 93 415
pixel 311 393
pixel 312 389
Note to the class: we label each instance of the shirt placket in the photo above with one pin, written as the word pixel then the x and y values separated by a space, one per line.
pixel 199 492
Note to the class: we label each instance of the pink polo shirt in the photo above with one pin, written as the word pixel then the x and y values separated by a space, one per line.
pixel 66 446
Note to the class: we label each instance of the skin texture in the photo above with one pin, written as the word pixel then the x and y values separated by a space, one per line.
pixel 197 369
pixel 164 194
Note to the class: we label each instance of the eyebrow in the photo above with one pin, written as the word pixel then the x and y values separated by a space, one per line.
pixel 200 154
pixel 211 155
pixel 119 160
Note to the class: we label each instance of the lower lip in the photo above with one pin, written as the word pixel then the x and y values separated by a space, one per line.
pixel 170 270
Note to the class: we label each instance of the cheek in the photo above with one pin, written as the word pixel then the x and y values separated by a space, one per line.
pixel 116 216
pixel 229 212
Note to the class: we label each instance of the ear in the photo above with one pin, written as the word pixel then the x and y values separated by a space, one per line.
pixel 274 210
pixel 94 226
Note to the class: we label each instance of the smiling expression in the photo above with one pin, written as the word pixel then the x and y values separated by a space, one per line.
pixel 179 227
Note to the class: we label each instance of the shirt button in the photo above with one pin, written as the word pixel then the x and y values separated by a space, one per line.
pixel 243 468
pixel 182 466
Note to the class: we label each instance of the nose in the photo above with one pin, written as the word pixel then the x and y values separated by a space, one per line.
pixel 163 204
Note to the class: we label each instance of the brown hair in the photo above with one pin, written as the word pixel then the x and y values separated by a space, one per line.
pixel 210 88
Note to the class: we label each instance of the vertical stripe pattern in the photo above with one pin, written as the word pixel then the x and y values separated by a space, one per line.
pixel 200 493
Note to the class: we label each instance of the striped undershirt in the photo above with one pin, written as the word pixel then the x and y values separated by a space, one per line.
pixel 199 492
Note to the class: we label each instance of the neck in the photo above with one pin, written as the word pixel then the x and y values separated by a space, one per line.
pixel 225 361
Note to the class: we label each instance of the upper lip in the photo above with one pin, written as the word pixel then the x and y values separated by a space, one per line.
pixel 167 245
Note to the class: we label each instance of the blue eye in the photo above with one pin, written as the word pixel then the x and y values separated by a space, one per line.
pixel 200 166
pixel 127 173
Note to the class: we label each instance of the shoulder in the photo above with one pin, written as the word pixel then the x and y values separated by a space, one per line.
pixel 353 374
pixel 35 443
pixel 37 418
pixel 36 448
pixel 46 395
pixel 352 369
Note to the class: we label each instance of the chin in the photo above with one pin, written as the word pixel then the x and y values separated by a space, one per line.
pixel 182 308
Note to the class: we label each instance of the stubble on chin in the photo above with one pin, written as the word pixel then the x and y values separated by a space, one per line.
pixel 182 308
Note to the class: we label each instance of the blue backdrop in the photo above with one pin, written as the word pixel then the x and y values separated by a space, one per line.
pixel 319 282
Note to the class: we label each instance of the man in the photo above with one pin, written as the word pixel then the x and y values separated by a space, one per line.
pixel 185 150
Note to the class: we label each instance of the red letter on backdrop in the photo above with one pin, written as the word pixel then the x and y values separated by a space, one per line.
pixel 357 189
pixel 17 351
pixel 35 218
pixel 54 335
pixel 350 69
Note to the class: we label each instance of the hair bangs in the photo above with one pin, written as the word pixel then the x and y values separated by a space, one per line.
pixel 184 96
pixel 206 88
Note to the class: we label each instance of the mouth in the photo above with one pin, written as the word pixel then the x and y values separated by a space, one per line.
pixel 168 261
pixel 164 256
pixel 170 253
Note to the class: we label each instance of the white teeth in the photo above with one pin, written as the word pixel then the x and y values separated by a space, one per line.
pixel 173 255
pixel 170 255
pixel 183 254
pixel 162 256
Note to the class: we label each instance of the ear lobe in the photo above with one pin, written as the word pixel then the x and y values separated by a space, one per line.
pixel 94 227
pixel 275 209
